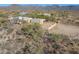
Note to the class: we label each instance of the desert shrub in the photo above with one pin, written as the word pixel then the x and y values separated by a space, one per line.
pixel 9 30
pixel 3 22
pixel 3 15
pixel 56 46
pixel 38 16
pixel 54 36
pixel 34 30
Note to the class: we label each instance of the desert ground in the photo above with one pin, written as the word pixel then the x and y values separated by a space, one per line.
pixel 70 30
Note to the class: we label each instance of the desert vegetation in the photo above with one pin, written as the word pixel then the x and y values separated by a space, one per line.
pixel 30 38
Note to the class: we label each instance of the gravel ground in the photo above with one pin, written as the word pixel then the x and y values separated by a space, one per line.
pixel 69 30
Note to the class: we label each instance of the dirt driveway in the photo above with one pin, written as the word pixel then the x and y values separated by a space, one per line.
pixel 69 30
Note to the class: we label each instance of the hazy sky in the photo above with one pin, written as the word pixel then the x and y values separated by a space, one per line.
pixel 40 4
pixel 39 1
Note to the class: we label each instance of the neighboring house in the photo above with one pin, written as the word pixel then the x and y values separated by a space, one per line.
pixel 35 20
pixel 47 14
pixel 14 19
pixel 10 17
pixel 19 19
pixel 27 19
pixel 23 13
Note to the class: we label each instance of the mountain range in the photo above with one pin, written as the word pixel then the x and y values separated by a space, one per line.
pixel 43 7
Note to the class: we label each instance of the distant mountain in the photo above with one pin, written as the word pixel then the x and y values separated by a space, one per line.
pixel 39 7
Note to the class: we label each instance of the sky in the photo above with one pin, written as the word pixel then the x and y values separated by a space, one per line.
pixel 39 1
pixel 4 4
pixel 40 4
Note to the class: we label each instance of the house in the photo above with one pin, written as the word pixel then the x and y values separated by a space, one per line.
pixel 35 20
pixel 19 19
pixel 15 19
pixel 23 13
pixel 27 19
pixel 47 14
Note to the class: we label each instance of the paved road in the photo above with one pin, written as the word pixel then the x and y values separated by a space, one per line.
pixel 70 30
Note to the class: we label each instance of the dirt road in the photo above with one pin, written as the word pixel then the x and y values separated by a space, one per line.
pixel 69 30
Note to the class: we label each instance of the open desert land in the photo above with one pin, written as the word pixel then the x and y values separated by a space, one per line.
pixel 70 30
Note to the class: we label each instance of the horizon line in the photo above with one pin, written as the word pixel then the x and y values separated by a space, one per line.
pixel 40 4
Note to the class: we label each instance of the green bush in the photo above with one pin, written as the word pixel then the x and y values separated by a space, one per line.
pixel 34 30
pixel 3 22
pixel 3 15
pixel 54 36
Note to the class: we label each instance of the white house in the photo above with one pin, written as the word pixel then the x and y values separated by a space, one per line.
pixel 19 19
pixel 15 19
pixel 23 13
pixel 47 14
pixel 27 19
pixel 35 20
